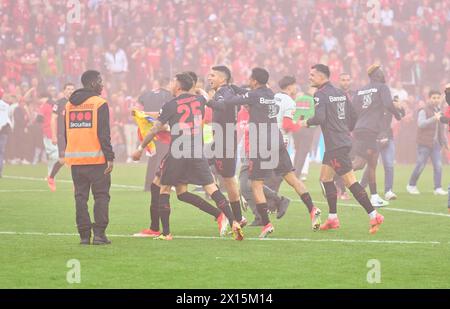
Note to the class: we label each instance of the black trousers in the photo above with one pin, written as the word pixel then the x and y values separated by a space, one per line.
pixel 85 178
pixel 154 162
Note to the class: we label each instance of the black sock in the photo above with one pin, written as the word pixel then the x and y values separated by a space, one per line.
pixel 164 212
pixel 236 208
pixel 361 196
pixel 262 211
pixel 306 198
pixel 331 195
pixel 154 207
pixel 223 204
pixel 56 167
pixel 200 203
pixel 373 188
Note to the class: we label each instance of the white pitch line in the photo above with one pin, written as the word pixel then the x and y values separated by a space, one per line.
pixel 59 190
pixel 24 190
pixel 412 211
pixel 403 242
pixel 67 181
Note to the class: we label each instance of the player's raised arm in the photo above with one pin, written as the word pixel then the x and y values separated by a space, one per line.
pixel 235 100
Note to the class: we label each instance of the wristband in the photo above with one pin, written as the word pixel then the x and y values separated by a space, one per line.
pixel 140 148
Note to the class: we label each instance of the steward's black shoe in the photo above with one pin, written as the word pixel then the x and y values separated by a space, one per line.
pixel 101 240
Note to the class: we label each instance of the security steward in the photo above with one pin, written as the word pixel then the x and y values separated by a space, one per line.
pixel 89 152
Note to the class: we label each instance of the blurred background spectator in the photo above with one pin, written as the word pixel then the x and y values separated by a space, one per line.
pixel 135 42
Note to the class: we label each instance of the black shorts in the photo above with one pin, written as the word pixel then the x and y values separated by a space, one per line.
pixel 225 167
pixel 364 145
pixel 258 172
pixel 339 160
pixel 185 171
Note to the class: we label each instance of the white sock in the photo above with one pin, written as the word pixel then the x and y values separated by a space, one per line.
pixel 332 216
pixel 373 215
pixel 374 195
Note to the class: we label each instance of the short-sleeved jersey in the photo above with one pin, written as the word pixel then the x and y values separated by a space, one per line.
pixel 184 114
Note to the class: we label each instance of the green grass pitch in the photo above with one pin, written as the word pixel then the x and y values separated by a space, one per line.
pixel 38 238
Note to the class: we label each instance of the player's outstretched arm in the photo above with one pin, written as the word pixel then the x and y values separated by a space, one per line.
pixel 233 100
pixel 320 115
pixel 157 127
pixel 391 106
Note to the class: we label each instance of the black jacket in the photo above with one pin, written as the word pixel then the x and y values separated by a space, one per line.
pixel 335 115
pixel 103 129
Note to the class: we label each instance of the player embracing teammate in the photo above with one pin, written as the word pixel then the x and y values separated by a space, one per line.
pixel 336 117
pixel 268 152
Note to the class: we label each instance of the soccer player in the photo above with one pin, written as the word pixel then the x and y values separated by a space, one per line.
pixel 152 101
pixel 285 118
pixel 370 103
pixel 219 79
pixel 278 203
pixel 386 147
pixel 336 118
pixel 263 122
pixel 185 163
pixel 287 108
pixel 155 187
pixel 345 82
pixel 51 149
pixel 57 124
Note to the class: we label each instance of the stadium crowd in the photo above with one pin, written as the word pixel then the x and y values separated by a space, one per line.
pixel 134 43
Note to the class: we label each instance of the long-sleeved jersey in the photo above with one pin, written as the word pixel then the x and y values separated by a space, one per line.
pixel 263 114
pixel 370 104
pixel 335 115
pixel 223 114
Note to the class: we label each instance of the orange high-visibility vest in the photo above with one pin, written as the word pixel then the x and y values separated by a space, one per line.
pixel 83 146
